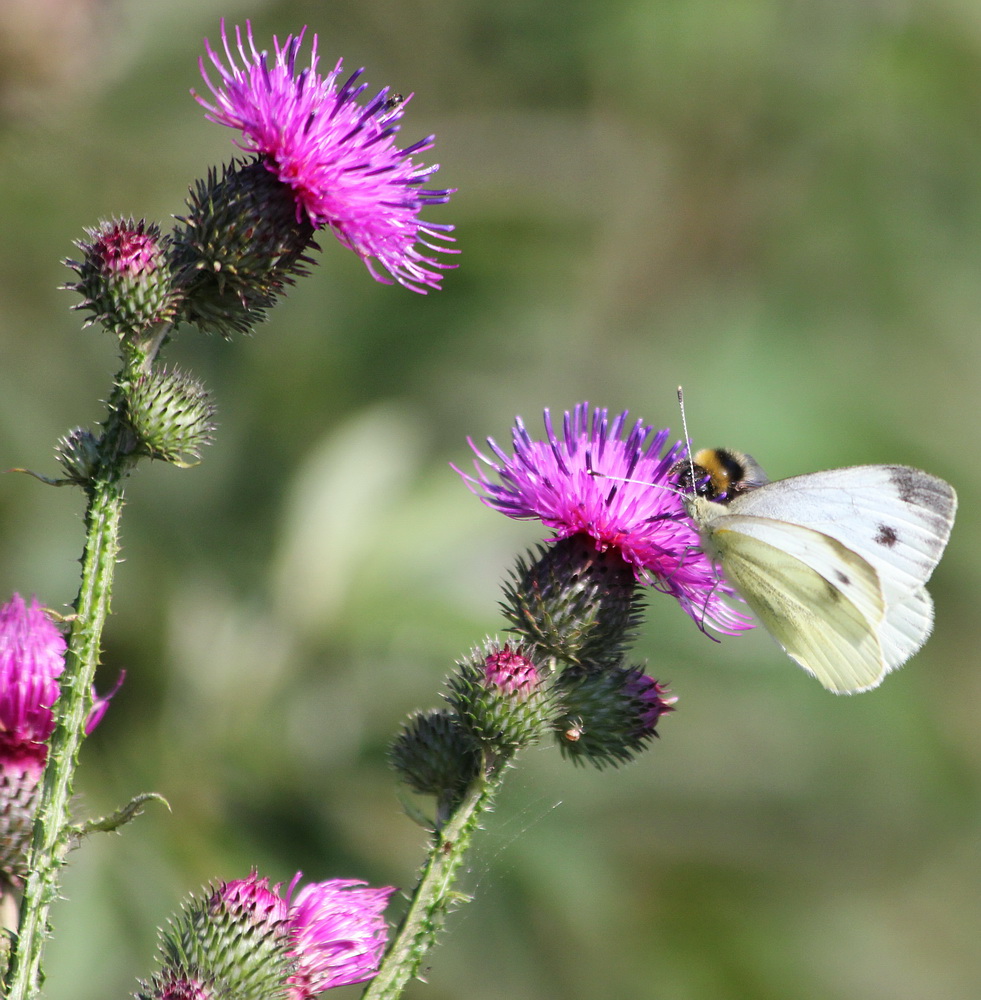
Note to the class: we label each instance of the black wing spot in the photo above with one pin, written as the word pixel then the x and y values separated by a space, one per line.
pixel 886 535
pixel 843 578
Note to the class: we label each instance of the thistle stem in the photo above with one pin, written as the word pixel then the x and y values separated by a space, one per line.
pixel 52 826
pixel 434 897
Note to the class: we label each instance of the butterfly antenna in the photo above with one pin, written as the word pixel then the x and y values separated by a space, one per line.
pixel 684 427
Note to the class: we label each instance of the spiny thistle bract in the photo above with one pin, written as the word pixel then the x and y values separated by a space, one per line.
pixel 170 414
pixel 608 716
pixel 436 754
pixel 239 246
pixel 124 277
pixel 501 696
pixel 239 948
pixel 573 603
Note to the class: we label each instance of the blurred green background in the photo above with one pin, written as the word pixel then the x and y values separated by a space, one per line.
pixel 775 204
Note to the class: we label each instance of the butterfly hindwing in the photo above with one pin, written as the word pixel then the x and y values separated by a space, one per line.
pixel 827 629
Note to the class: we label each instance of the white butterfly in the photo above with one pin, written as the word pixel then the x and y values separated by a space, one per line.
pixel 833 563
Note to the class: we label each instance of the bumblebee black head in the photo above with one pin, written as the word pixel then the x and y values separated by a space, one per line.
pixel 718 474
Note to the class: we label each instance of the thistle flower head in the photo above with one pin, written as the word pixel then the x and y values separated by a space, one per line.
pixel 338 156
pixel 609 716
pixel 338 934
pixel 252 900
pixel 171 415
pixel 510 672
pixel 500 694
pixel 32 658
pixel 573 484
pixel 436 754
pixel 123 276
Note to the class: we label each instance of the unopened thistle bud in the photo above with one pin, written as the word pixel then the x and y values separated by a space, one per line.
pixel 239 246
pixel 124 277
pixel 435 754
pixel 574 603
pixel 610 715
pixel 78 453
pixel 171 415
pixel 500 695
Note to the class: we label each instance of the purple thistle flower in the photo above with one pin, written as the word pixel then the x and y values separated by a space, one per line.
pixel 652 697
pixel 337 155
pixel 125 247
pixel 251 897
pixel 338 934
pixel 32 658
pixel 644 521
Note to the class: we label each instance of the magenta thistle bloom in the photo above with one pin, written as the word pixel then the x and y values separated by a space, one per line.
pixel 337 155
pixel 511 672
pixel 32 658
pixel 338 934
pixel 652 698
pixel 253 899
pixel 125 247
pixel 644 521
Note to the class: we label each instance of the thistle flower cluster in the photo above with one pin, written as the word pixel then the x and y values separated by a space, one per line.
pixel 32 658
pixel 617 524
pixel 604 488
pixel 242 938
pixel 319 154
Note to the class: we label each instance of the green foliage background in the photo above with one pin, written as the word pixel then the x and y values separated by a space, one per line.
pixel 775 204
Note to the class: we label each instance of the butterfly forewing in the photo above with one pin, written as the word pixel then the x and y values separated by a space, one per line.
pixel 896 518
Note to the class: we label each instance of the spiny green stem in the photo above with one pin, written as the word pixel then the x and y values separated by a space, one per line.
pixel 52 825
pixel 434 897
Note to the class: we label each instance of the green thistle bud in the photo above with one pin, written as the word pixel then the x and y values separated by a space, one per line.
pixel 435 754
pixel 78 453
pixel 124 277
pixel 500 695
pixel 171 415
pixel 234 941
pixel 608 716
pixel 238 247
pixel 573 603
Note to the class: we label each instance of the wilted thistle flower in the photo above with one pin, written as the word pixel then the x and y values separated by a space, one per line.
pixel 244 939
pixel 124 276
pixel 609 715
pixel 572 485
pixel 337 156
pixel 32 658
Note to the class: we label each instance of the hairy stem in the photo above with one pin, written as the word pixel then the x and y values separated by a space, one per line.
pixel 52 835
pixel 434 897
